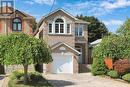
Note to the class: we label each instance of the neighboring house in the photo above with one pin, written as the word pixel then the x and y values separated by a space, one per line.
pixel 95 43
pixel 91 46
pixel 12 20
pixel 68 39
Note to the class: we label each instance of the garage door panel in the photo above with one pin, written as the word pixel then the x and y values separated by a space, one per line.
pixel 62 64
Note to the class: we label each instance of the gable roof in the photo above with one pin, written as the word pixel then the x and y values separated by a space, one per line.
pixel 60 43
pixel 40 22
pixel 12 11
pixel 76 19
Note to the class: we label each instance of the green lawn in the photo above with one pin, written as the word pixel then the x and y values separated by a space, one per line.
pixel 35 79
pixel 42 83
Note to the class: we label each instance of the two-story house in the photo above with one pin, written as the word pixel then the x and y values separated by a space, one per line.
pixel 67 37
pixel 12 20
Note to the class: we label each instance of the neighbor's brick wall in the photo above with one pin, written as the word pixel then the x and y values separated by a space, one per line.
pixel 26 26
pixel 9 69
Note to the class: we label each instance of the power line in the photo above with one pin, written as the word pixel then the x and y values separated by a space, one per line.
pixel 52 6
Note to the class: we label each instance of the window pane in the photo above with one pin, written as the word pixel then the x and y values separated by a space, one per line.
pixel 76 32
pixel 17 24
pixel 61 28
pixel 80 30
pixel 59 20
pixel 68 28
pixel 19 27
pixel 17 20
pixel 14 27
pixel 50 28
pixel 56 28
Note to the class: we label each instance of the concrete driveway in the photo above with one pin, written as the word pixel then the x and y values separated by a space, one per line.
pixel 83 80
pixel 1 80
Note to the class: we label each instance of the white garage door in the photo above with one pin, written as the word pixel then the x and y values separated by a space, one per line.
pixel 62 63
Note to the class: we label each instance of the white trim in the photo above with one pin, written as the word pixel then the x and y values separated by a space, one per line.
pixel 67 46
pixel 59 24
pixel 67 29
pixel 63 11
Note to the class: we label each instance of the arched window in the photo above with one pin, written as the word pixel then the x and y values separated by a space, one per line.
pixel 59 26
pixel 17 24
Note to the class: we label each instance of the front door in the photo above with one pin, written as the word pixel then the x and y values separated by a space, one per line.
pixel 80 60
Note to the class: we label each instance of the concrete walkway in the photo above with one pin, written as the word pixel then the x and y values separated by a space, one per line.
pixel 1 81
pixel 83 80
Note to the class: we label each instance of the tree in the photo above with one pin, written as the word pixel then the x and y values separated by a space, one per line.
pixel 19 48
pixel 125 28
pixel 96 29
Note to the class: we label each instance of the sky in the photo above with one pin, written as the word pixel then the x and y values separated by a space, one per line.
pixel 111 12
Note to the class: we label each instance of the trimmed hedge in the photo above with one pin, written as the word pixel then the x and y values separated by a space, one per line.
pixel 98 66
pixel 126 77
pixel 113 74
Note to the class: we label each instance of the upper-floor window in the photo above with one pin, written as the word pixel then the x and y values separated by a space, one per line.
pixel 79 31
pixel 68 29
pixel 59 26
pixel 17 24
pixel 50 28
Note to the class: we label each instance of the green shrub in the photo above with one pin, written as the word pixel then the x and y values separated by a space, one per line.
pixel 17 75
pixel 122 66
pixel 126 77
pixel 98 66
pixel 35 76
pixel 35 80
pixel 113 74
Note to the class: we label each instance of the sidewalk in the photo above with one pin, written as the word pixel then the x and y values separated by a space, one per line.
pixel 1 80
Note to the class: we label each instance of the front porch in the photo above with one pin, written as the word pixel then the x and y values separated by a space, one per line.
pixel 83 60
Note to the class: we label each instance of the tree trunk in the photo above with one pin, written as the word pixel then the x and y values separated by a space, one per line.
pixel 25 74
pixel 2 69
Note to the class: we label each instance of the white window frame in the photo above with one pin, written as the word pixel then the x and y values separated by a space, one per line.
pixel 66 28
pixel 59 24
pixel 51 28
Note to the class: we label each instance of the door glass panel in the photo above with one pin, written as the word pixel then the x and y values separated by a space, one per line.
pixel 14 26
pixel 80 56
pixel 19 27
